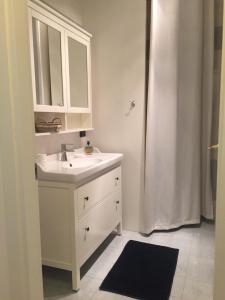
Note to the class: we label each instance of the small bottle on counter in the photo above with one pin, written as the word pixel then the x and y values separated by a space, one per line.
pixel 88 149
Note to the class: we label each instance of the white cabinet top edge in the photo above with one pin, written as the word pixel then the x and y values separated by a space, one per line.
pixel 59 18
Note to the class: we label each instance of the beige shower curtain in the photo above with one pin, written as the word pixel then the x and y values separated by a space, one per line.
pixel 176 192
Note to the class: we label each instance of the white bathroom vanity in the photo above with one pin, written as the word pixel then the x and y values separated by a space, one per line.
pixel 78 214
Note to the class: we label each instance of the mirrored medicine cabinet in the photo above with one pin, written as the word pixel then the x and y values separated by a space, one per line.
pixel 61 67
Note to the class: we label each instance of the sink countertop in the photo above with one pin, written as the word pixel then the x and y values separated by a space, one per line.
pixel 78 168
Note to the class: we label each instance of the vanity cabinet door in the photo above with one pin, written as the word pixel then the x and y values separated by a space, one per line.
pixel 78 63
pixel 48 64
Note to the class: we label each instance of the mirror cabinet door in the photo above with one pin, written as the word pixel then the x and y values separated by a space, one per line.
pixel 78 56
pixel 48 64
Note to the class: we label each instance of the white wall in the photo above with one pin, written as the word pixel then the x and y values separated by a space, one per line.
pixel 118 72
pixel 52 144
pixel 70 8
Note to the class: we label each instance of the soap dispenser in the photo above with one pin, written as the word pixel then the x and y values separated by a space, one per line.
pixel 88 148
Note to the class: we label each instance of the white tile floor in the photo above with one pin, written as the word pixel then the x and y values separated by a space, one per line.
pixel 194 274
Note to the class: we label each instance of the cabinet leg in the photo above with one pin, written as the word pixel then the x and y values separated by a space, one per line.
pixel 119 228
pixel 76 279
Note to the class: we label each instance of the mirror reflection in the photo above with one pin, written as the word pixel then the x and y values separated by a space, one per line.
pixel 78 74
pixel 48 64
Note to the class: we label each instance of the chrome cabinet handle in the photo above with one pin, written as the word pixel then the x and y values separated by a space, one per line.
pixel 85 200
pixel 86 230
pixel 116 181
pixel 117 203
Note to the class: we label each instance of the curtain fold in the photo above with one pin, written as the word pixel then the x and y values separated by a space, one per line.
pixel 174 148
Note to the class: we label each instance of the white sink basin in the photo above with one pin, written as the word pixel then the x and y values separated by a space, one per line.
pixel 79 163
pixel 78 167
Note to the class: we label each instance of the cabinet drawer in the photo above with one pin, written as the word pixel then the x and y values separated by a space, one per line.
pixel 96 190
pixel 97 224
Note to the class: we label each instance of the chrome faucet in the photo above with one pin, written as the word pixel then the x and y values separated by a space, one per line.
pixel 64 150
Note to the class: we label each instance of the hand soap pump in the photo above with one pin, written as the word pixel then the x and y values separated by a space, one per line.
pixel 88 148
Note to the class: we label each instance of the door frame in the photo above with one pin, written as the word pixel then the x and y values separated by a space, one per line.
pixel 219 286
pixel 20 255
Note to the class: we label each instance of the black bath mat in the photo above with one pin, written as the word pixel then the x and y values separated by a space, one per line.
pixel 143 271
